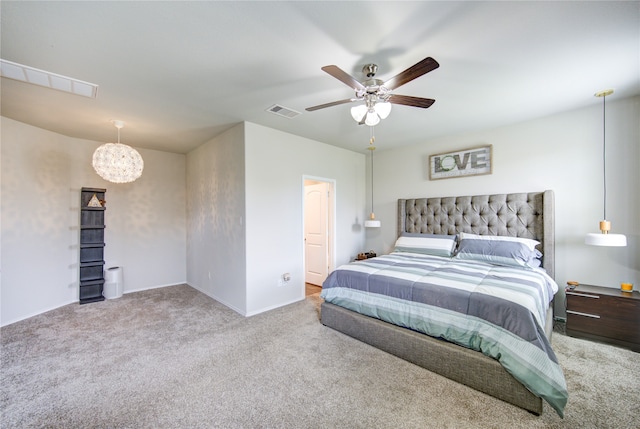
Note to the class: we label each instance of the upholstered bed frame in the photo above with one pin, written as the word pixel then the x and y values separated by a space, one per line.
pixel 528 215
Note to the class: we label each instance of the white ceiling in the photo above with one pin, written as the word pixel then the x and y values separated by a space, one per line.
pixel 179 73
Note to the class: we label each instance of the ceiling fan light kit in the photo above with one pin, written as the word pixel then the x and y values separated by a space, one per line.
pixel 117 162
pixel 372 118
pixel 371 113
pixel 376 94
pixel 383 109
pixel 358 112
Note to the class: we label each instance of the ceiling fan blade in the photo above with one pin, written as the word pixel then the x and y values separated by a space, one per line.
pixel 415 71
pixel 407 100
pixel 343 76
pixel 333 103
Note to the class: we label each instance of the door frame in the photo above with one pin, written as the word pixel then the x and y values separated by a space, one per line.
pixel 331 229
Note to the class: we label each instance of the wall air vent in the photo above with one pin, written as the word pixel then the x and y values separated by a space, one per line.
pixel 47 79
pixel 282 111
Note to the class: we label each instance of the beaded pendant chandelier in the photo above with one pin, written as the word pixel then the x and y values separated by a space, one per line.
pixel 117 162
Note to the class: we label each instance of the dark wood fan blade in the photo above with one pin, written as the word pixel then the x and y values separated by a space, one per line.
pixel 417 70
pixel 343 76
pixel 334 103
pixel 407 100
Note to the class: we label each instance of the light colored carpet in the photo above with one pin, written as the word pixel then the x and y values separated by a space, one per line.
pixel 175 358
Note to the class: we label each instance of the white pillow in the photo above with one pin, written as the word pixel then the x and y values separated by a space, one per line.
pixel 427 244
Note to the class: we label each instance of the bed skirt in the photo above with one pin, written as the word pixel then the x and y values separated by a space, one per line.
pixel 454 362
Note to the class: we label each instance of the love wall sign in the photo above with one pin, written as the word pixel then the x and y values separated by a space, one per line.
pixel 466 162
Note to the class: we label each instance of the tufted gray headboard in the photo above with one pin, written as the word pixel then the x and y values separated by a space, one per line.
pixel 528 215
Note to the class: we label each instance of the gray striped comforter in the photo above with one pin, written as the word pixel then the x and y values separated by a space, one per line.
pixel 497 310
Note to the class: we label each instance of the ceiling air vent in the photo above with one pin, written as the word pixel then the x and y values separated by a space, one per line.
pixel 282 111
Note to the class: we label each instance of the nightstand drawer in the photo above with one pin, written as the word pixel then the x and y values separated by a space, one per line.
pixel 581 302
pixel 603 306
pixel 602 326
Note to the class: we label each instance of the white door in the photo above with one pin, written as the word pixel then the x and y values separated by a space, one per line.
pixel 316 231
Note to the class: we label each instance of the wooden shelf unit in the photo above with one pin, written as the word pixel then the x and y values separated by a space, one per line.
pixel 91 246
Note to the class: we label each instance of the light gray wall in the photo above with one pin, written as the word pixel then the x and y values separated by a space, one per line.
pixel 561 152
pixel 245 211
pixel 150 221
pixel 41 176
pixel 276 164
pixel 216 219
pixel 244 225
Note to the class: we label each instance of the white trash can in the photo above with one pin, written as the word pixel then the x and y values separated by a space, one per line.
pixel 113 284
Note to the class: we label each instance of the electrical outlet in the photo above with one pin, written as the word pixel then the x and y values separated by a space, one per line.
pixel 284 279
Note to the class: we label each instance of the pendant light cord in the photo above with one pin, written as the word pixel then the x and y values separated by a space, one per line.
pixel 372 148
pixel 371 180
pixel 604 154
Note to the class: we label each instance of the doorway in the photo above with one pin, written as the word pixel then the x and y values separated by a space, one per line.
pixel 319 231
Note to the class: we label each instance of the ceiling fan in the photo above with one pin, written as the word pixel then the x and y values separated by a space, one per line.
pixel 377 94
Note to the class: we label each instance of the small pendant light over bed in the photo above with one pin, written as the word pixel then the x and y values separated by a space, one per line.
pixel 603 238
pixel 372 222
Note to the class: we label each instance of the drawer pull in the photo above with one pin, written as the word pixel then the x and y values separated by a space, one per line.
pixel 594 316
pixel 586 295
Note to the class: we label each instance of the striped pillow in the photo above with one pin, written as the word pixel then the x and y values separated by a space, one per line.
pixel 427 244
pixel 511 251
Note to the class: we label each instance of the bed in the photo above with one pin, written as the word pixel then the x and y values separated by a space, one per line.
pixel 412 319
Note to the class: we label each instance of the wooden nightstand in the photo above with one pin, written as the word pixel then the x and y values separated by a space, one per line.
pixel 604 314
